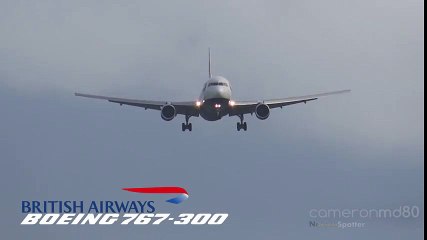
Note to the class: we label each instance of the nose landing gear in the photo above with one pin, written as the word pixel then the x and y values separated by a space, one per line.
pixel 241 124
pixel 186 125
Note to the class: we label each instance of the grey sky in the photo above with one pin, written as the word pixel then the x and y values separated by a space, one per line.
pixel 364 149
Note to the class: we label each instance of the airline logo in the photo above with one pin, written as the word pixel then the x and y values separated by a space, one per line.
pixel 182 193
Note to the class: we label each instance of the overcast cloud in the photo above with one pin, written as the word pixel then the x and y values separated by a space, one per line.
pixel 364 149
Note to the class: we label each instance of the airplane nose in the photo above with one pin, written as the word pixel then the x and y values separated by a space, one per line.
pixel 223 93
pixel 219 92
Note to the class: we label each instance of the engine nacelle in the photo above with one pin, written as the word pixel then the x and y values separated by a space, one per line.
pixel 262 111
pixel 168 112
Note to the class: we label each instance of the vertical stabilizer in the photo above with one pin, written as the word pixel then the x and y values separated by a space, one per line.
pixel 210 73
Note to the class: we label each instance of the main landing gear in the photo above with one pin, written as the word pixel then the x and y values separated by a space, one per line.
pixel 241 124
pixel 186 125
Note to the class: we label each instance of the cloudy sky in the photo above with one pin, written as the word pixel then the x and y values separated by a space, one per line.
pixel 360 150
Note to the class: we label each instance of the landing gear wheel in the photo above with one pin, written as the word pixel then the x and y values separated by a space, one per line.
pixel 242 125
pixel 187 125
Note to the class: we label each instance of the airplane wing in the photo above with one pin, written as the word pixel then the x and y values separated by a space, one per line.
pixel 246 107
pixel 184 108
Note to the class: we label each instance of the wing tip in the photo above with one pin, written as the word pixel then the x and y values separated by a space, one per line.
pixel 338 92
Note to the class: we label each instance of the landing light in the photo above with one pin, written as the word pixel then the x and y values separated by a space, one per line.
pixel 232 103
pixel 198 103
pixel 217 105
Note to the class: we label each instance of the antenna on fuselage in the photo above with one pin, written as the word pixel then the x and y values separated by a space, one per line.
pixel 210 73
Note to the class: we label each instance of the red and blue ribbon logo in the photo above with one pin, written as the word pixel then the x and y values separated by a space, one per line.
pixel 182 193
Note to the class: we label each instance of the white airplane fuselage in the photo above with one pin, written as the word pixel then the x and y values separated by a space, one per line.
pixel 215 99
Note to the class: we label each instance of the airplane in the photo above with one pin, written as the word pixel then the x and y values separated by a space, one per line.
pixel 214 103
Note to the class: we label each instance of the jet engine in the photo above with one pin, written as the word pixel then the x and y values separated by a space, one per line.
pixel 262 111
pixel 168 112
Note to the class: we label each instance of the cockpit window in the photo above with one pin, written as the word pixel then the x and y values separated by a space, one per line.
pixel 218 84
